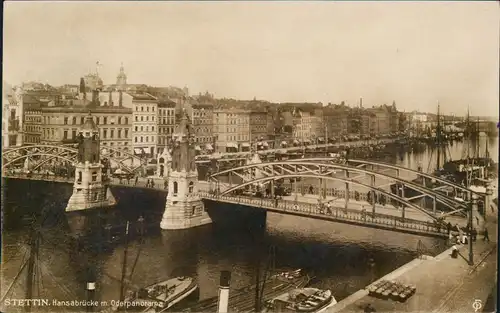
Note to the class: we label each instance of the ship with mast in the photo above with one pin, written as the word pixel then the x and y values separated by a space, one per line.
pixel 469 171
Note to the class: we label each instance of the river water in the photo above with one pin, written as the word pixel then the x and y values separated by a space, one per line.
pixel 337 255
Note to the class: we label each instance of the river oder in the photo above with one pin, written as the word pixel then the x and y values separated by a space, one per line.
pixel 337 255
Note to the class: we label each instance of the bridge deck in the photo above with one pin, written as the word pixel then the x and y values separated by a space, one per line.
pixel 337 214
pixel 388 217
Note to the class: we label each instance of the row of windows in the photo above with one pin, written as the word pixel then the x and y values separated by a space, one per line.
pixel 202 130
pixel 166 130
pixel 169 121
pixel 237 138
pixel 166 112
pixel 141 108
pixel 163 140
pixel 33 129
pixel 202 122
pixel 201 113
pixel 146 128
pixel 144 119
pixel 32 139
pixel 144 139
pixel 204 139
pixel 258 128
pixel 34 119
pixel 98 120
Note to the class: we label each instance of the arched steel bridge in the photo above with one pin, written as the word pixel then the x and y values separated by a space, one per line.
pixel 322 169
pixel 40 155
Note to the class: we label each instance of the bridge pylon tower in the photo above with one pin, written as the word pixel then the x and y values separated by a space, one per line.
pixel 183 208
pixel 89 189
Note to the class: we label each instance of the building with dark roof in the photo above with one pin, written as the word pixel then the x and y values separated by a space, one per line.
pixel 61 123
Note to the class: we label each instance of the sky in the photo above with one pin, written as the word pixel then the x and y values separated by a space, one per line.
pixel 414 53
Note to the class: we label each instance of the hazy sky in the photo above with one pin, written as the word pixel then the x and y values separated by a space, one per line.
pixel 413 53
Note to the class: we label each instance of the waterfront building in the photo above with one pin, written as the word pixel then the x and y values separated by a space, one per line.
pixel 302 131
pixel 393 114
pixel 381 120
pixel 12 117
pixel 166 124
pixel 335 118
pixel 232 129
pixel 144 124
pixel 318 129
pixel 203 125
pixel 61 123
pixel 259 125
pixel 32 125
pixel 418 123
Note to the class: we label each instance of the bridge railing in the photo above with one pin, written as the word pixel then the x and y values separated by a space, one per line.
pixel 333 212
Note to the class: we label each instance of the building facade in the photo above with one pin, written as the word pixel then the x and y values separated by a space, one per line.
pixel 12 117
pixel 335 118
pixel 32 126
pixel 318 129
pixel 61 124
pixel 302 131
pixel 166 124
pixel 258 125
pixel 231 129
pixel 203 125
pixel 145 125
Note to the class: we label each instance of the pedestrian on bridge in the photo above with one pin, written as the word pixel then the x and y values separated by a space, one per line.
pixel 473 234
pixel 152 183
pixel 486 235
pixel 136 180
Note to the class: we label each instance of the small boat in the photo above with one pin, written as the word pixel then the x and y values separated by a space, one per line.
pixel 302 300
pixel 242 300
pixel 160 297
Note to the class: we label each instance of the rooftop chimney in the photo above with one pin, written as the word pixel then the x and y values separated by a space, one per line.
pixel 95 97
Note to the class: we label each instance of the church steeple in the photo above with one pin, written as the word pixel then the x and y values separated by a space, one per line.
pixel 121 79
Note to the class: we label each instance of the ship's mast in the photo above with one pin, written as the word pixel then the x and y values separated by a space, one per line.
pixel 33 253
pixel 438 140
pixel 124 265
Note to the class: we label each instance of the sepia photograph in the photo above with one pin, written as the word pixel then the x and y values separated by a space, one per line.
pixel 250 156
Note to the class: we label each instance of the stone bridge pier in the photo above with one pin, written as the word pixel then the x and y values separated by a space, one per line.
pixel 89 191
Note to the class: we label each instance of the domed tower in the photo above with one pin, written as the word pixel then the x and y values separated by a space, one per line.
pixel 121 79
pixel 183 208
pixel 89 191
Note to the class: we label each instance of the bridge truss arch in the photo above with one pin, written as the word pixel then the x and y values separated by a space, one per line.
pixel 398 199
pixel 271 171
pixel 41 155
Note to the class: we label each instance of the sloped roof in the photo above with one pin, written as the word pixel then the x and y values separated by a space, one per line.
pixel 142 96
